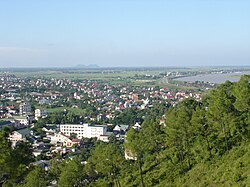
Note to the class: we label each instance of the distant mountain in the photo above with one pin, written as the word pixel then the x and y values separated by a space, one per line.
pixel 87 66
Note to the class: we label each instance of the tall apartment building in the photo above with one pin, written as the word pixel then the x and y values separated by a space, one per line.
pixel 83 130
pixel 24 108
pixel 40 113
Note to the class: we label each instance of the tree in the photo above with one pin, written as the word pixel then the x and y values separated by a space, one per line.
pixel 180 135
pixel 221 115
pixel 73 174
pixel 5 154
pixel 21 157
pixel 203 133
pixel 35 178
pixel 241 92
pixel 133 147
pixel 14 161
pixel 73 135
pixel 107 161
pixel 56 167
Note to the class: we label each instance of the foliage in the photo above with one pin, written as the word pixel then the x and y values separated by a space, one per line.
pixel 13 161
pixel 72 174
pixel 35 178
pixel 106 160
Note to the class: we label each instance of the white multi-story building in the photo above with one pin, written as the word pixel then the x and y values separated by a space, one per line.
pixel 83 130
pixel 40 113
pixel 24 108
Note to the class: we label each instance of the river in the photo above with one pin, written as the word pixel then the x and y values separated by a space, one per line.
pixel 215 77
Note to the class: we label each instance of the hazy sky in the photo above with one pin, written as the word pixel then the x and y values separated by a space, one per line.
pixel 39 33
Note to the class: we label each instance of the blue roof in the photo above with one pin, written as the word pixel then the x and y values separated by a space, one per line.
pixel 4 123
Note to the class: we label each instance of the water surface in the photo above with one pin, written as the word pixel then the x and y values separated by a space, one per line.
pixel 214 77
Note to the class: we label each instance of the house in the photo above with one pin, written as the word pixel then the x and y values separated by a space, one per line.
pixel 44 102
pixel 74 142
pixel 44 164
pixel 136 126
pixel 30 118
pixel 22 120
pixel 5 124
pixel 120 131
pixel 57 137
pixel 50 128
pixel 119 128
pixel 37 152
pixel 19 135
pixel 105 138
pixel 62 138
pixel 11 110
pixel 40 113
pixel 39 148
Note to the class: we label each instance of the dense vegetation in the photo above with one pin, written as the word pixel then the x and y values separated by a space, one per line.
pixel 13 161
pixel 202 143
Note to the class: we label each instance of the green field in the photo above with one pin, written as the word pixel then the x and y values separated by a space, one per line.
pixel 86 74
pixel 60 109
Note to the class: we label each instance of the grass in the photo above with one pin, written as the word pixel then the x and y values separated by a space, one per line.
pixel 86 74
pixel 60 109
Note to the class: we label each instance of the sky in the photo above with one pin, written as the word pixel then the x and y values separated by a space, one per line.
pixel 124 33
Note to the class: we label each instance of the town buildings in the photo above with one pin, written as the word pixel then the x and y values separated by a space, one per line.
pixel 40 113
pixel 83 130
pixel 24 108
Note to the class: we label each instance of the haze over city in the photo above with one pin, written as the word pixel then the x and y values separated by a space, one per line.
pixel 131 33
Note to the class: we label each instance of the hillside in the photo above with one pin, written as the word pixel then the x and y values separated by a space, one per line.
pixel 232 169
